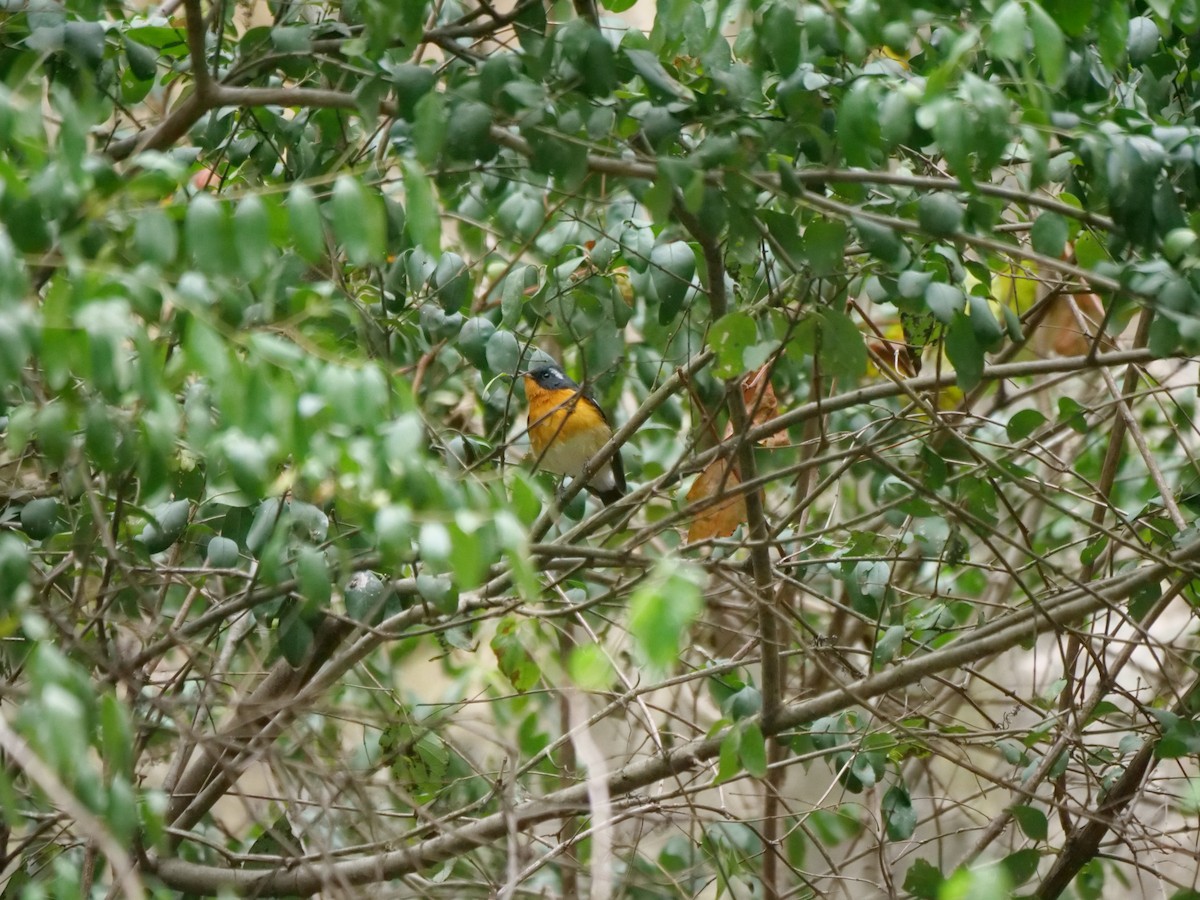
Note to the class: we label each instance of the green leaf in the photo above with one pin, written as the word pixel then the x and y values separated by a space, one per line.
pixel 394 532
pixel 964 350
pixel 503 352
pixel 312 577
pixel 143 61
pixel 292 38
pixel 430 128
pixel 923 880
pixel 248 462
pixel 882 242
pixel 1143 40
pixel 41 518
pixel 1007 39
pixel 728 760
pixel 412 82
pixel 1073 17
pixel 1073 414
pixel 121 812
pixel 948 120
pixel 85 40
pixel 729 338
pixel 424 221
pixel 657 78
pixel 166 527
pixel 744 703
pixel 1089 251
pixel 661 611
pixel 983 321
pixel 295 638
pixel 468 133
pixel 452 282
pixel 304 219
pixel 858 122
pixel 824 242
pixel 782 36
pixel 1049 48
pixel 899 817
pixel 14 567
pixel 785 232
pixel 1049 234
pixel 672 266
pixel 945 301
pixel 359 221
pixel 251 234
pixel 207 232
pixel 752 750
pixel 940 214
pixel 222 553
pixel 438 591
pixel 1032 822
pixel 155 236
pixel 896 118
pixel 365 595
pixel 512 300
pixel 116 735
pixel 1021 865
pixel 473 339
pixel 843 352
pixel 472 551
pixel 987 883
pixel 590 668
pixel 1024 423
pixel 887 645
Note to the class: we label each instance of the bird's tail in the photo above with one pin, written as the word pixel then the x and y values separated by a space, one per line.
pixel 607 497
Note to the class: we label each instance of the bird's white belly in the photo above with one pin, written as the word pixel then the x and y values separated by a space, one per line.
pixel 568 456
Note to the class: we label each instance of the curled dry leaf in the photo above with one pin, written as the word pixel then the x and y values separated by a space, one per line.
pixel 760 401
pixel 722 518
pixel 721 476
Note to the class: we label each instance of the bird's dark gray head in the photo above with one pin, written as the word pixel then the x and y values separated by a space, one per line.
pixel 550 378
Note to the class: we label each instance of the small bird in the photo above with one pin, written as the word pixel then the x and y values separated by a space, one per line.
pixel 567 428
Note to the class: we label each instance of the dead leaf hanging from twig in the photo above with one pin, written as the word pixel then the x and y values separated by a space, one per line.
pixel 722 518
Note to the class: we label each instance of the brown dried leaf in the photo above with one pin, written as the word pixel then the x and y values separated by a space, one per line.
pixel 896 354
pixel 760 400
pixel 1059 333
pixel 722 518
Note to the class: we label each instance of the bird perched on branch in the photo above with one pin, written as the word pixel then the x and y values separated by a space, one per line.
pixel 567 428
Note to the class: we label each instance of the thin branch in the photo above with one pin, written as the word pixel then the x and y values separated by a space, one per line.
pixel 1083 843
pixel 1001 634
pixel 61 796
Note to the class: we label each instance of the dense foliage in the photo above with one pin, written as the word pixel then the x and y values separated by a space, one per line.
pixel 889 302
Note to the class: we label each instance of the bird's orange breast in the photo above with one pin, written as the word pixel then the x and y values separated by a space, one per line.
pixel 559 416
pixel 566 428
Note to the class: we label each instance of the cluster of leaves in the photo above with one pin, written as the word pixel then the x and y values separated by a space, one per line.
pixel 266 278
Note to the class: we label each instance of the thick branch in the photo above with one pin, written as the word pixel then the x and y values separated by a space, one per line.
pixel 766 593
pixel 202 80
